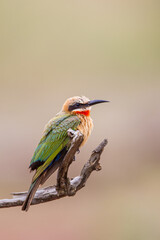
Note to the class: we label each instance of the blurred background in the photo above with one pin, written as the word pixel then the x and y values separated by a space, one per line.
pixel 52 50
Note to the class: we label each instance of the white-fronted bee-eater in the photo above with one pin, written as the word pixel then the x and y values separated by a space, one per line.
pixel 55 142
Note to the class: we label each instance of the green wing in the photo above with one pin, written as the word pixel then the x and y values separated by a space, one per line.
pixel 54 140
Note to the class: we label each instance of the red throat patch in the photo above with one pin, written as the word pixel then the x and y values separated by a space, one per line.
pixel 86 113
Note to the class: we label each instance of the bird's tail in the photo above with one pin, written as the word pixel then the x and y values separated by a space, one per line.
pixel 39 181
pixel 42 178
pixel 31 193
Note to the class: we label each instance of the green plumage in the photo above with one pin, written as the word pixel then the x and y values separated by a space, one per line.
pixel 50 151
pixel 54 140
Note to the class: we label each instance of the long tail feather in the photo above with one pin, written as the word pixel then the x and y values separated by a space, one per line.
pixel 31 193
pixel 34 186
pixel 42 178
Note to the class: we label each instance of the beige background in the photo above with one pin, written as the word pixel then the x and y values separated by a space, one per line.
pixel 51 50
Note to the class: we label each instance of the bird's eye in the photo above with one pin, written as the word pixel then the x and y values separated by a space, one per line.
pixel 74 106
pixel 77 104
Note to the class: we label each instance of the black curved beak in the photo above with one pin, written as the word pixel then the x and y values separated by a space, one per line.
pixel 94 102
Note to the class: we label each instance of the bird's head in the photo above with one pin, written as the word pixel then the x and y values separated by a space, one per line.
pixel 80 105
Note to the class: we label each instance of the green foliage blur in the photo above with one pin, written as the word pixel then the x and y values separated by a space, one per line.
pixel 52 50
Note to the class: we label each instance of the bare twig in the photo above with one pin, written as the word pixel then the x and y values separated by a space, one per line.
pixel 65 187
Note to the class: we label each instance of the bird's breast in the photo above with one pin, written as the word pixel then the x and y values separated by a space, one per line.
pixel 85 127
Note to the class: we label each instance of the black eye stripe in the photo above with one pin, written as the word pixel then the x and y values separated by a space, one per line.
pixel 74 106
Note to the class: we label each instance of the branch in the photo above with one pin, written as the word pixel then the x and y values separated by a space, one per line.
pixel 65 187
pixel 63 184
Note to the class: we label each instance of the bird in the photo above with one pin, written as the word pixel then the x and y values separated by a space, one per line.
pixel 55 142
